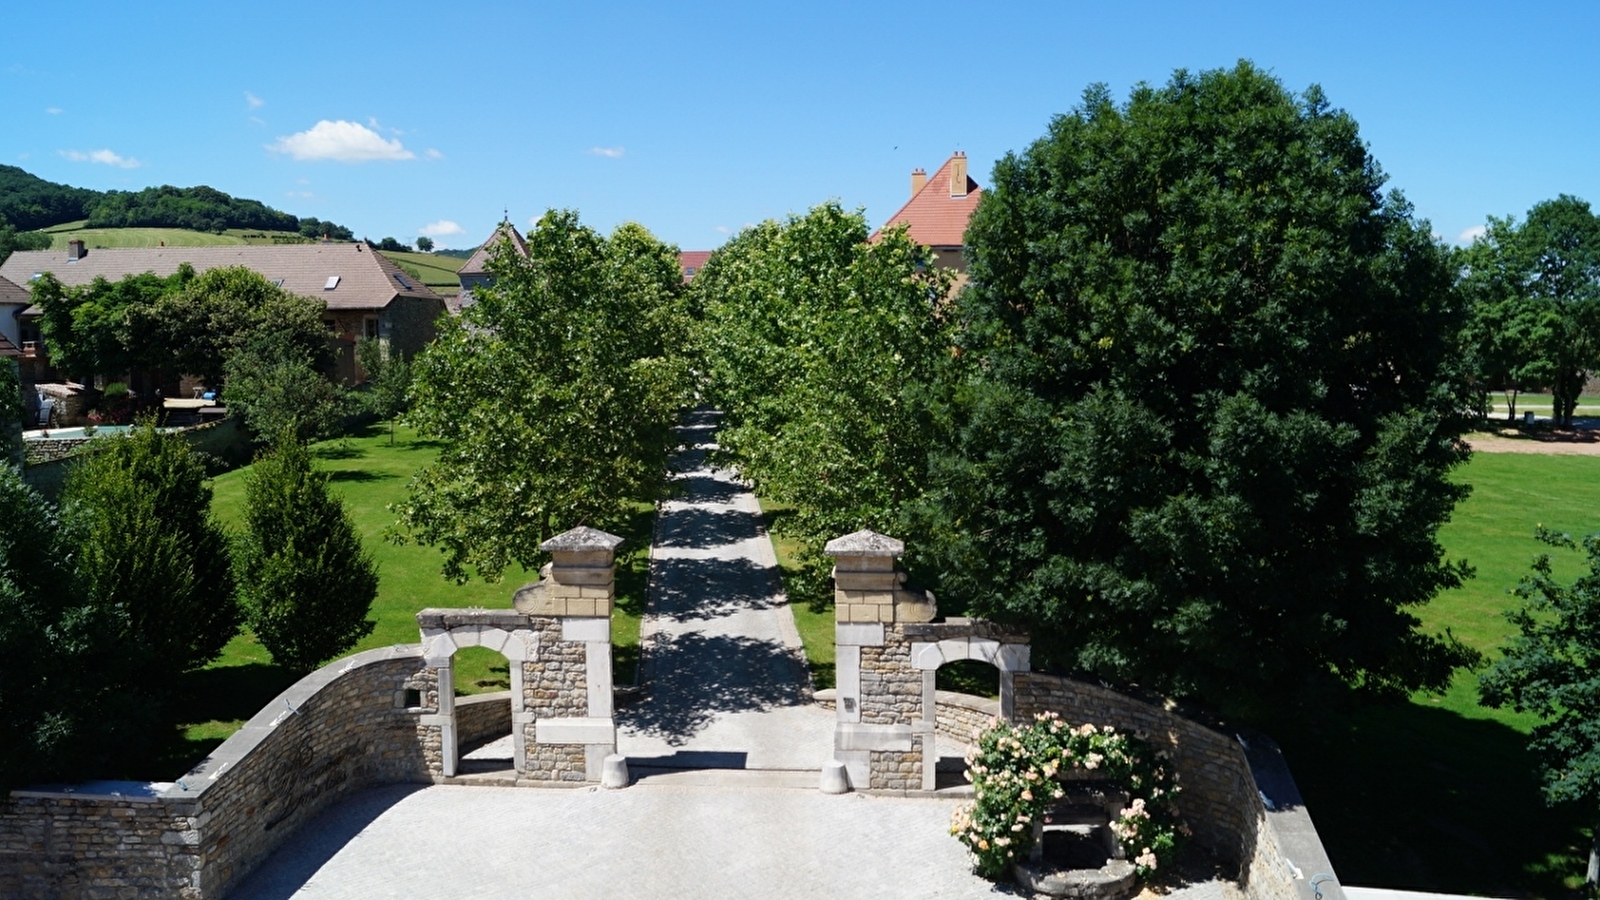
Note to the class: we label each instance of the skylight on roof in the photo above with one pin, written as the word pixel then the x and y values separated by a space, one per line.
pixel 403 282
pixel 278 283
pixel 332 282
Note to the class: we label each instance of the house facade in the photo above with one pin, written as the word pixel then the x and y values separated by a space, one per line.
pixel 936 215
pixel 365 293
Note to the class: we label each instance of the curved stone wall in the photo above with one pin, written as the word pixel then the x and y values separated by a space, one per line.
pixel 339 729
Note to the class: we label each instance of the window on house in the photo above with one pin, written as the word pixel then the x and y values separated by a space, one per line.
pixel 371 326
pixel 329 324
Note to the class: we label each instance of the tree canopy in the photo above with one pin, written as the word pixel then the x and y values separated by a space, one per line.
pixel 554 395
pixel 305 583
pixel 1205 431
pixel 820 347
pixel 1551 668
pixel 1535 292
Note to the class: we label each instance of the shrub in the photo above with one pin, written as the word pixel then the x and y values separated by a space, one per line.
pixel 1016 773
pixel 148 553
pixel 305 582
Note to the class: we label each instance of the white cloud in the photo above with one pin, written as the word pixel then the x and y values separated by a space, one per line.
pixel 253 101
pixel 608 152
pixel 306 195
pixel 431 153
pixel 441 228
pixel 54 110
pixel 103 157
pixel 1472 234
pixel 722 229
pixel 341 141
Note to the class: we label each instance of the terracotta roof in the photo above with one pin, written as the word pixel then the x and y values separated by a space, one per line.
pixel 11 292
pixel 937 219
pixel 478 262
pixel 366 280
pixel 692 261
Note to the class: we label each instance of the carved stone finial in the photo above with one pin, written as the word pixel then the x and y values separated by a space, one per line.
pixel 865 543
pixel 581 540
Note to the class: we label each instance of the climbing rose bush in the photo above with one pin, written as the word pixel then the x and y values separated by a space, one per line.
pixel 1017 773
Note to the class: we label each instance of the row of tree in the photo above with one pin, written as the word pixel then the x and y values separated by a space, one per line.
pixel 1534 290
pixel 266 348
pixel 109 598
pixel 30 203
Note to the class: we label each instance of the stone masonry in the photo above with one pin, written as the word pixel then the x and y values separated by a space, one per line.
pixel 557 638
pixel 888 647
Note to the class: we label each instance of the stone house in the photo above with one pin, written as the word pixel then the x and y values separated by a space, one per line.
pixel 366 294
pixel 475 272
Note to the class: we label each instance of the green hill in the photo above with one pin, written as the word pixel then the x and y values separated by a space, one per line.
pixel 29 203
pixel 437 272
pixel 102 238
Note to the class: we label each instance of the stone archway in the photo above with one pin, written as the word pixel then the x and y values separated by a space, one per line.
pixel 889 642
pixel 557 638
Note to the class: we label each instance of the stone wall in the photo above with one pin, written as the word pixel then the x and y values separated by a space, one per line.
pixel 482 718
pixel 957 716
pixel 1225 780
pixel 339 729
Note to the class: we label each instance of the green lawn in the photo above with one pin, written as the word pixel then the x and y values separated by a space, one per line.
pixel 1440 793
pixel 370 474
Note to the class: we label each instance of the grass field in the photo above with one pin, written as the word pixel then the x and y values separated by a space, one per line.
pixel 438 272
pixel 370 474
pixel 155 237
pixel 1440 793
pixel 1540 404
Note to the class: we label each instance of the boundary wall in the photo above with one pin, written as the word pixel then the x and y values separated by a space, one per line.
pixel 339 729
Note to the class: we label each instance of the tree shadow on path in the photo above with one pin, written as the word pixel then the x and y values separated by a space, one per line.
pixel 292 866
pixel 695 677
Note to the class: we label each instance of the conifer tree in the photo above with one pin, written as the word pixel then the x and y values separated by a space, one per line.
pixel 305 583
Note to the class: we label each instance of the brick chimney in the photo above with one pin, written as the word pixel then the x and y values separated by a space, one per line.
pixel 919 178
pixel 958 174
pixel 76 251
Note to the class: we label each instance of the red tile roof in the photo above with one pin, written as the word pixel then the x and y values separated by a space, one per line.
pixel 692 261
pixel 367 280
pixel 937 219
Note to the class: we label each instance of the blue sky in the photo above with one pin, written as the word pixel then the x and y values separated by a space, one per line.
pixel 402 118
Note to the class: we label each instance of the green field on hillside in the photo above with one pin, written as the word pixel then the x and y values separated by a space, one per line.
pixel 106 238
pixel 370 474
pixel 438 272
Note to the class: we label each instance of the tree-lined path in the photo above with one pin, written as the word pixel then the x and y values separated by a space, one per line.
pixel 724 673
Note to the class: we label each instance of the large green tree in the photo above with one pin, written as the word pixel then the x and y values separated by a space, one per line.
pixel 554 395
pixel 90 329
pixel 305 583
pixel 1551 668
pixel 1206 436
pixel 1535 291
pixel 148 553
pixel 820 348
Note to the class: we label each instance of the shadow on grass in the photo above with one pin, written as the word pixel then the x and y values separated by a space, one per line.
pixel 227 695
pixel 360 475
pixel 340 449
pixel 1412 797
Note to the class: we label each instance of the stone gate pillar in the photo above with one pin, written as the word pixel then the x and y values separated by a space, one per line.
pixel 881 731
pixel 568 722
pixel 557 640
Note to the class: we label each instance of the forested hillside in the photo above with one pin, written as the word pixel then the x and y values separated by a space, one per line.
pixel 29 203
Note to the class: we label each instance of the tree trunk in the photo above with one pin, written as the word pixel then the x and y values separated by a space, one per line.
pixel 1593 875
